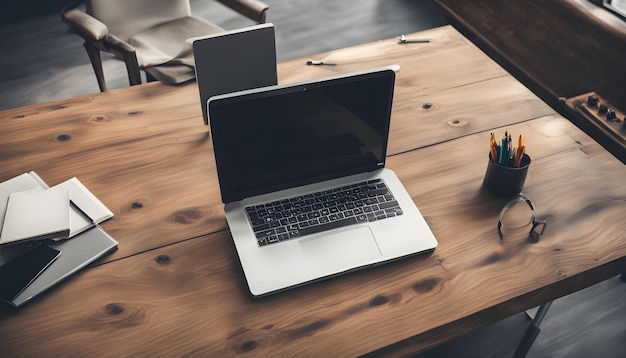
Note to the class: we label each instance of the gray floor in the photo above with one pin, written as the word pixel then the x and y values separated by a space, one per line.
pixel 42 61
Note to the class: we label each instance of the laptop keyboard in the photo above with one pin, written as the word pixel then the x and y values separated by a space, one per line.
pixel 294 217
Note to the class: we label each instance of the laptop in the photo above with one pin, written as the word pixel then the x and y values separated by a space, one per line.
pixel 77 253
pixel 301 169
pixel 234 60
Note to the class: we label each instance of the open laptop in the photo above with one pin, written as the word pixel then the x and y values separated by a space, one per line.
pixel 302 176
pixel 234 60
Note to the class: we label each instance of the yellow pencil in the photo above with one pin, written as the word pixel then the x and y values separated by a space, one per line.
pixel 519 155
pixel 492 147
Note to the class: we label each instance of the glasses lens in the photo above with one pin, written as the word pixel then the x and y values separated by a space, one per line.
pixel 516 214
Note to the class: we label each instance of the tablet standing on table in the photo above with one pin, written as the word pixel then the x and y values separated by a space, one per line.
pixel 234 60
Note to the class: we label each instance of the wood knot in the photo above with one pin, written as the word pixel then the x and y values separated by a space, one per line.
pixel 245 340
pixel 457 123
pixel 133 113
pixel 378 301
pixel 113 309
pixel 98 118
pixel 317 325
pixel 136 205
pixel 493 258
pixel 309 329
pixel 163 259
pixel 187 216
pixel 119 315
pixel 64 137
pixel 427 285
pixel 427 105
pixel 116 315
pixel 248 346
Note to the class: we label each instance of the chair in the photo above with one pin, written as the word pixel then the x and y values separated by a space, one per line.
pixel 147 35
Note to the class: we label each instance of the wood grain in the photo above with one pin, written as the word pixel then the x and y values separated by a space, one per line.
pixel 190 298
pixel 157 176
pixel 146 154
pixel 175 286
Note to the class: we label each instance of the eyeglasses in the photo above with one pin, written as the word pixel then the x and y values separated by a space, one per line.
pixel 518 214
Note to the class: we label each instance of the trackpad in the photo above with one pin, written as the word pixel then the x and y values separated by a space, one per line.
pixel 343 250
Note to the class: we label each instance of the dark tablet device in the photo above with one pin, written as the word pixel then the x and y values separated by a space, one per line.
pixel 235 60
pixel 18 273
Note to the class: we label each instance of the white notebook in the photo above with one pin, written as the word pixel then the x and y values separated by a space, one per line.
pixel 90 206
pixel 37 213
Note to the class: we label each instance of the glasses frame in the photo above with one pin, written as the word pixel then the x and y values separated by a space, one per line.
pixel 532 234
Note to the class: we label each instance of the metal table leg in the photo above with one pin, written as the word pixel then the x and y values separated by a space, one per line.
pixel 531 332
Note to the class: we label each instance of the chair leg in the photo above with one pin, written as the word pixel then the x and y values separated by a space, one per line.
pixel 134 76
pixel 96 63
pixel 150 78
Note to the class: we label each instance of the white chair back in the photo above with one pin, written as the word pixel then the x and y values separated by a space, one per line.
pixel 125 18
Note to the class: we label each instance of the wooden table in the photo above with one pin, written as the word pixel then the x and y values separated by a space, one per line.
pixel 175 286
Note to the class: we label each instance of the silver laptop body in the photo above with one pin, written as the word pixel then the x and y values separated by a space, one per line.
pixel 313 145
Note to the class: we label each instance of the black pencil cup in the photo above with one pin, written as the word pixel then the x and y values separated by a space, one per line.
pixel 506 181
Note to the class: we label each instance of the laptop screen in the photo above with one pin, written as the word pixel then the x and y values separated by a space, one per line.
pixel 285 136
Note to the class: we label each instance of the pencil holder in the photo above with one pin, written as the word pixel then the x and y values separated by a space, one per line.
pixel 506 181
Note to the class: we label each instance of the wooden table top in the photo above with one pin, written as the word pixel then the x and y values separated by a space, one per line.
pixel 175 287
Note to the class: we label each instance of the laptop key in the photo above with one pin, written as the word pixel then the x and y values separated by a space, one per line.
pixel 326 210
pixel 329 226
pixel 388 204
pixel 261 227
pixel 381 191
pixel 258 222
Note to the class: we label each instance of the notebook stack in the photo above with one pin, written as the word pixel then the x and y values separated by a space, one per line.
pixel 47 234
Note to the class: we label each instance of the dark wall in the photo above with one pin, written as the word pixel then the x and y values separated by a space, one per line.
pixel 19 10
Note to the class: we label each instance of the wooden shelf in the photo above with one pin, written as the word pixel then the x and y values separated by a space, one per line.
pixel 601 120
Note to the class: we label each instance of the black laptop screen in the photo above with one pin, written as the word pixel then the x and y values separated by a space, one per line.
pixel 284 137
